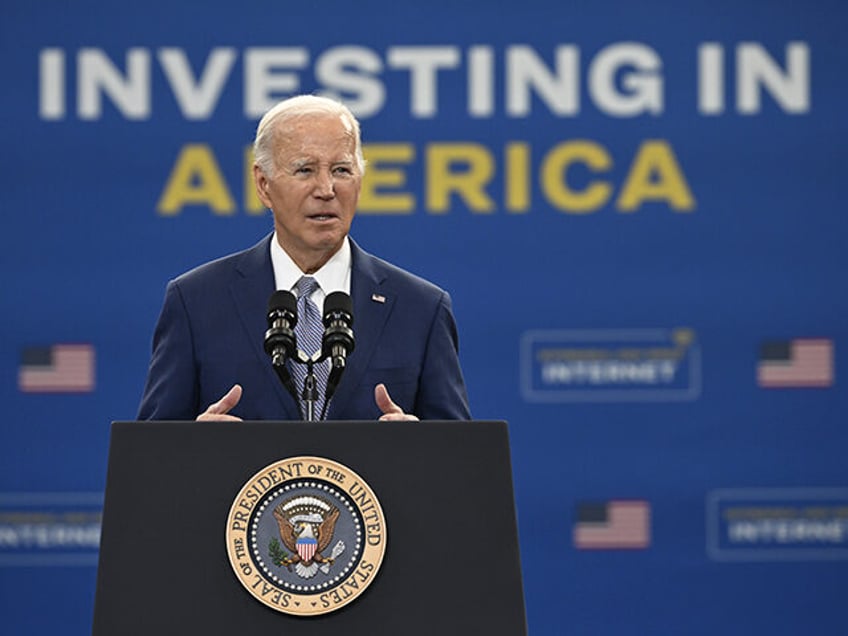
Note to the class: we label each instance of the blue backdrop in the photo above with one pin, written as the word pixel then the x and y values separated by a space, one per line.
pixel 637 209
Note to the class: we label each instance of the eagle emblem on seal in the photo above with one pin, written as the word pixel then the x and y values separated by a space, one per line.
pixel 307 524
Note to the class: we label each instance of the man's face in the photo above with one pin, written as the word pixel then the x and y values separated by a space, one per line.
pixel 314 190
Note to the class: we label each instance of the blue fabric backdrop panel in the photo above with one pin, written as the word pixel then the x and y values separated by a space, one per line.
pixel 637 210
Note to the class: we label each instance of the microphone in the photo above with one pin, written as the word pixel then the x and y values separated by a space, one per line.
pixel 338 339
pixel 280 340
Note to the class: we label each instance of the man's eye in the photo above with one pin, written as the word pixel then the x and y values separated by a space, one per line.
pixel 343 170
pixel 303 170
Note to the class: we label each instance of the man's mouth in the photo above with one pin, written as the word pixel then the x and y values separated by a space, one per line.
pixel 321 217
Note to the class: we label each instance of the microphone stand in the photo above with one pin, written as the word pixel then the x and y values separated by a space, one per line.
pixel 310 392
pixel 309 395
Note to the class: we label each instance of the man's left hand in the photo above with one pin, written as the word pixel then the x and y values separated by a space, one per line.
pixel 391 411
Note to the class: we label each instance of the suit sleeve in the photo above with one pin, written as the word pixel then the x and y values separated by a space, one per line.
pixel 442 394
pixel 171 389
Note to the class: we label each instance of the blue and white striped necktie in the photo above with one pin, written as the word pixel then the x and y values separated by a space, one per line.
pixel 310 332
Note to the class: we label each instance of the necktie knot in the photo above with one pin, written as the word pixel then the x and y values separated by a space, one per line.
pixel 306 286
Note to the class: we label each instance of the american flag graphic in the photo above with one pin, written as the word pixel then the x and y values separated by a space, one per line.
pixel 613 525
pixel 799 363
pixel 61 368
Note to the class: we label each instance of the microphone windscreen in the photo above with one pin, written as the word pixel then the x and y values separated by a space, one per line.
pixel 336 302
pixel 282 300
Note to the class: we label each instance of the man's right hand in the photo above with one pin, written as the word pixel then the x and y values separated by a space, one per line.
pixel 220 409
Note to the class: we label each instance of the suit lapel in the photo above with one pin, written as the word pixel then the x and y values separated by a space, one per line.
pixel 372 304
pixel 251 288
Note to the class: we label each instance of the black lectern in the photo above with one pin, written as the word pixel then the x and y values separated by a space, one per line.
pixel 451 562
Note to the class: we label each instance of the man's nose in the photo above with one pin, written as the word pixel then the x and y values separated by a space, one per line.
pixel 325 186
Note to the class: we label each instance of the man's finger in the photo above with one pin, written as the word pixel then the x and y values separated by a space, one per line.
pixel 398 417
pixel 217 417
pixel 384 401
pixel 226 403
pixel 391 411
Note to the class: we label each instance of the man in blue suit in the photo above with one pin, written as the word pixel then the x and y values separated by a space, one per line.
pixel 208 347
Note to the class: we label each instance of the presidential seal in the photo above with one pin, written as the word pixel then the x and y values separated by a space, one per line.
pixel 306 536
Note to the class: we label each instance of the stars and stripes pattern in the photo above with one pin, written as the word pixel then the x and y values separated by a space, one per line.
pixel 60 368
pixel 798 363
pixel 613 525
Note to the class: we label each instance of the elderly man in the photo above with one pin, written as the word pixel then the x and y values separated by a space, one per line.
pixel 208 355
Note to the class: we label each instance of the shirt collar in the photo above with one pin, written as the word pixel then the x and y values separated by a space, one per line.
pixel 333 276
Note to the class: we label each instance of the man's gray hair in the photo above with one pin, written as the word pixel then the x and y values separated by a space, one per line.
pixel 293 108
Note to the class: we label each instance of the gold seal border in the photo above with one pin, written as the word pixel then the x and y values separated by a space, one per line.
pixel 257 488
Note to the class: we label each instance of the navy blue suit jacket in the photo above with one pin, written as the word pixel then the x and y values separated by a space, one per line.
pixel 211 331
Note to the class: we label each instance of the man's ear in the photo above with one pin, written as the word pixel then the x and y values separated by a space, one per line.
pixel 263 185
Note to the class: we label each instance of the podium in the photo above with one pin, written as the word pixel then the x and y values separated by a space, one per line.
pixel 451 561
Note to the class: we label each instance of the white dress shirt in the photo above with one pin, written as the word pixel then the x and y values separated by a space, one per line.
pixel 333 276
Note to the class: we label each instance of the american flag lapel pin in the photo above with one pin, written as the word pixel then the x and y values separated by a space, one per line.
pixel 378 298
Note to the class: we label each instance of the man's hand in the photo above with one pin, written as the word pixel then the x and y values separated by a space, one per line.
pixel 220 409
pixel 391 411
